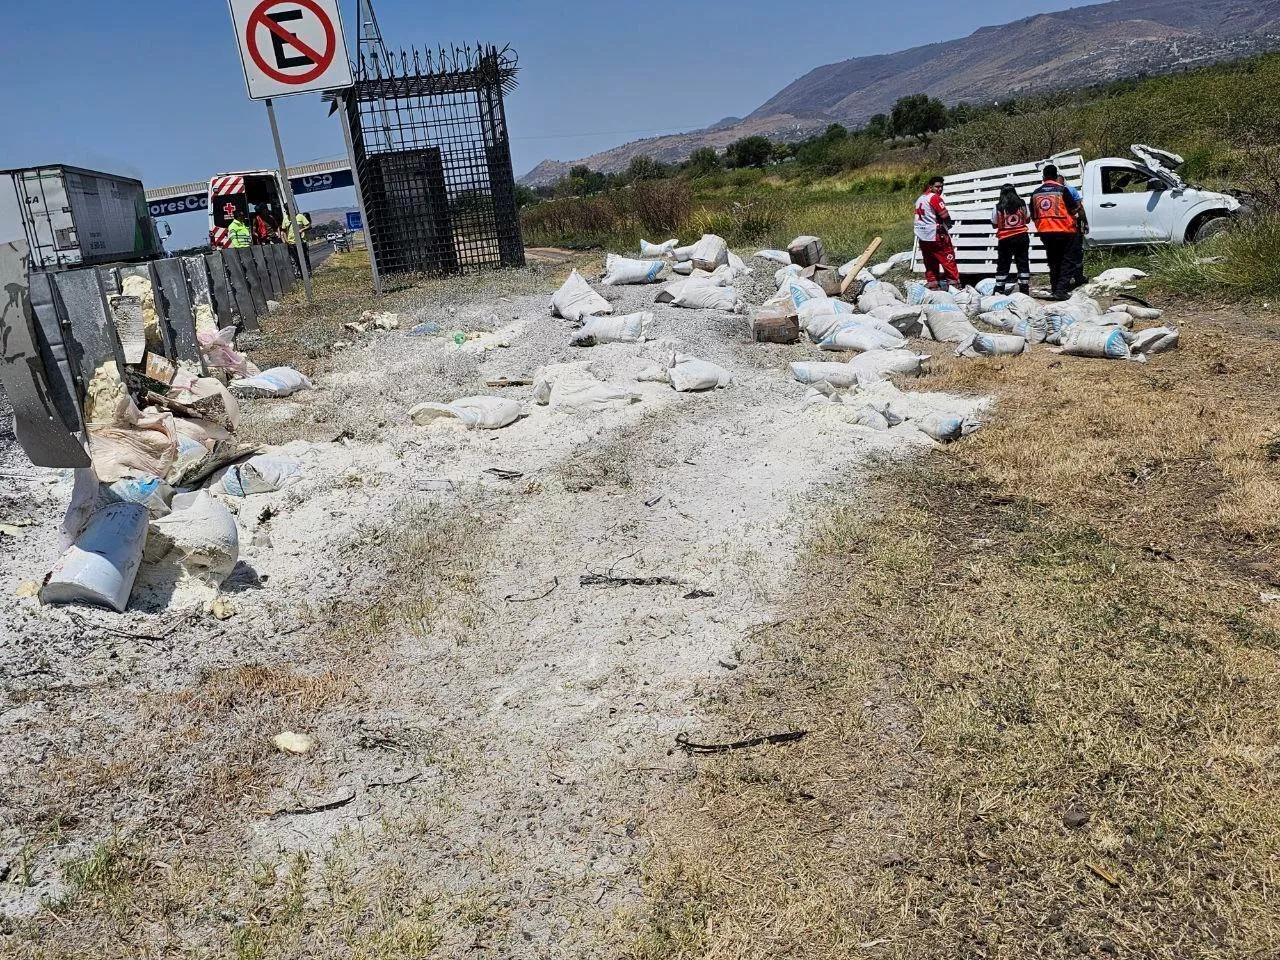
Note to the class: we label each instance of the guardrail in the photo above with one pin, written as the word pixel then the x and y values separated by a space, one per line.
pixel 66 325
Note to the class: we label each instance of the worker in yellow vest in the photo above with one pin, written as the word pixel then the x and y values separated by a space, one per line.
pixel 239 232
pixel 302 222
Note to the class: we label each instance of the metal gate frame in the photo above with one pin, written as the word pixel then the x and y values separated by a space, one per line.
pixel 433 158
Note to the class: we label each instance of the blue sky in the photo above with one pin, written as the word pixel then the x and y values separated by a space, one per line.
pixel 154 89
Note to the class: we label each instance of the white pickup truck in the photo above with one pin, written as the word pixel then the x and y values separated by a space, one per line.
pixel 1127 202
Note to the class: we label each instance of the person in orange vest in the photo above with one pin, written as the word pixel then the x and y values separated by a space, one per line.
pixel 1012 219
pixel 933 229
pixel 1059 217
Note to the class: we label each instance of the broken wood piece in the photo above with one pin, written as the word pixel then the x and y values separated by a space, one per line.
pixel 1105 875
pixel 507 382
pixel 860 264
pixel 554 586
pixel 685 744
pixel 338 800
pixel 502 474
pixel 596 580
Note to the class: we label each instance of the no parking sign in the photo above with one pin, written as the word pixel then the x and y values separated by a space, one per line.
pixel 291 46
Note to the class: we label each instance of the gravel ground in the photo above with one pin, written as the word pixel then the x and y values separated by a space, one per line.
pixel 499 726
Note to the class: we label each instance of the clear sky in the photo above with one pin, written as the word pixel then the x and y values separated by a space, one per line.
pixel 154 89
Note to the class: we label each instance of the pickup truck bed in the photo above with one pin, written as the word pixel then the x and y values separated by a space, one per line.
pixel 972 196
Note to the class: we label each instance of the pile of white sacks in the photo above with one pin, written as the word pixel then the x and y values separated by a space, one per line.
pixel 698 277
pixel 976 320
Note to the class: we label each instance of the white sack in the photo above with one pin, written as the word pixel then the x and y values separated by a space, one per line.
pixel 589 396
pixel 802 291
pixel 200 538
pixel 877 293
pixel 948 324
pixel 777 256
pixel 100 569
pixel 620 270
pixel 259 475
pixel 784 275
pixel 710 252
pixel 836 374
pixel 1138 312
pixel 862 338
pixel 1156 340
pixel 947 427
pixel 994 345
pixel 476 413
pixel 1116 278
pixel 1083 340
pixel 648 249
pixel 277 382
pixel 817 307
pixel 631 328
pixel 702 295
pixel 690 374
pixel 151 492
pixel 576 300
pixel 878 364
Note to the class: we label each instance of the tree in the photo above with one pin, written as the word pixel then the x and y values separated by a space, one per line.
pixel 644 168
pixel 879 127
pixel 583 181
pixel 704 161
pixel 749 152
pixel 836 131
pixel 526 196
pixel 960 114
pixel 919 116
pixel 782 152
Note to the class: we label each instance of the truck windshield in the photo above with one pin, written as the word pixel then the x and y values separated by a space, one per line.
pixel 1128 180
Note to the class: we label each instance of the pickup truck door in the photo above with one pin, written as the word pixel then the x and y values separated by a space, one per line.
pixel 1128 203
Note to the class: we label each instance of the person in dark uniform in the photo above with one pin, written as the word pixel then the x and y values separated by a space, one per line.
pixel 1058 213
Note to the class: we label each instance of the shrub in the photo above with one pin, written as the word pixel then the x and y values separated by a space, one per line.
pixel 661 206
pixel 1239 264
pixel 614 219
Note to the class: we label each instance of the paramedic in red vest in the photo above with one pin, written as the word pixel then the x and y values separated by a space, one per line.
pixel 933 225
pixel 1058 213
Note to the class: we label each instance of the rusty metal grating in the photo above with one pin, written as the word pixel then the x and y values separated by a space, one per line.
pixel 434 158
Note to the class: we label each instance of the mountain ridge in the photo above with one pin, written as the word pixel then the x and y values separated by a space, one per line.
pixel 1038 54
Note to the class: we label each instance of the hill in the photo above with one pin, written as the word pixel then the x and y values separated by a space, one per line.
pixel 1054 51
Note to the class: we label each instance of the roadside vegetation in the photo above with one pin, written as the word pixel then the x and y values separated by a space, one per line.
pixel 1039 675
pixel 849 186
pixel 1038 669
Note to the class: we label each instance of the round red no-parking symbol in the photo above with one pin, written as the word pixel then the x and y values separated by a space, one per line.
pixel 273 15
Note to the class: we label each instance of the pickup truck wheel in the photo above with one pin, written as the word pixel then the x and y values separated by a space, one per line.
pixel 1209 228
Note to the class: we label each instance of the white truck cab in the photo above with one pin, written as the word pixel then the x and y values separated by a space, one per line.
pixel 1127 203
pixel 1147 202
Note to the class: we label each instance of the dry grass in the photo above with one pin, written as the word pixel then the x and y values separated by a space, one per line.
pixel 185 771
pixel 1041 689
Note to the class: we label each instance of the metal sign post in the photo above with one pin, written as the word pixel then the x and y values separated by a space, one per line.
pixel 364 216
pixel 291 206
pixel 289 47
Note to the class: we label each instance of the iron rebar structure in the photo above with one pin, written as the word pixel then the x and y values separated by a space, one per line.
pixel 433 153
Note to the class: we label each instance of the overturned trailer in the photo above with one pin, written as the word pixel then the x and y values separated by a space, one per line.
pixel 71 217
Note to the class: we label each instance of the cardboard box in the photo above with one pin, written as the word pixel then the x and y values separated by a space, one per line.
pixel 807 252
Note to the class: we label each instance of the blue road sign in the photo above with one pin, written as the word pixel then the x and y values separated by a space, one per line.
pixel 354 220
